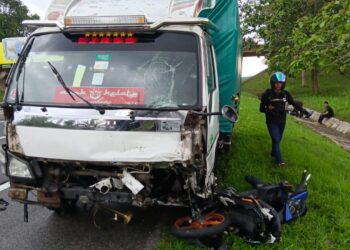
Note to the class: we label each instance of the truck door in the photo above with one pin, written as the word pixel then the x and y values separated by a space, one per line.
pixel 213 106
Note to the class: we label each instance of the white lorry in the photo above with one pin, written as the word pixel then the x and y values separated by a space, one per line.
pixel 117 102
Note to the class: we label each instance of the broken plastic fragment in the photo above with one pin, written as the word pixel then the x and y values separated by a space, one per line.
pixel 130 182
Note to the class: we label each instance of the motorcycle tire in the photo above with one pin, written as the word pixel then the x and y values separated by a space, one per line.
pixel 212 224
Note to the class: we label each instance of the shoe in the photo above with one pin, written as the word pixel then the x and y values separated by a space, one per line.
pixel 281 164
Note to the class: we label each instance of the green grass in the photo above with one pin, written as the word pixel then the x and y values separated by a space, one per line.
pixel 335 88
pixel 327 223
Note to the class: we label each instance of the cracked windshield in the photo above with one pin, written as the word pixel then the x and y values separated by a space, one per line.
pixel 146 71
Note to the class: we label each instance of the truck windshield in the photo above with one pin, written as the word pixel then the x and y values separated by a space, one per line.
pixel 155 70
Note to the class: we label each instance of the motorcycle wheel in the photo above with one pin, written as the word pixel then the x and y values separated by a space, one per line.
pixel 211 224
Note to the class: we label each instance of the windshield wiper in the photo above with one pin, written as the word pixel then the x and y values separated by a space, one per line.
pixel 71 92
pixel 21 64
pixel 61 81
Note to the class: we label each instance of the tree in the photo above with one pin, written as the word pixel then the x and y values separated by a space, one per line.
pixel 271 22
pixel 276 24
pixel 322 42
pixel 12 13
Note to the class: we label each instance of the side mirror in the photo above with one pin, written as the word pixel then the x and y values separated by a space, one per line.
pixel 229 113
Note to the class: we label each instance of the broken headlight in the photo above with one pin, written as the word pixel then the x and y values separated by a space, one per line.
pixel 19 168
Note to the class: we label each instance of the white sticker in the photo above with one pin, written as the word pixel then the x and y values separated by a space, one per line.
pixel 101 65
pixel 173 126
pixel 79 74
pixel 97 79
pixel 134 185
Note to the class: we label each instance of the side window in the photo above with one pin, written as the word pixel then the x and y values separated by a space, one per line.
pixel 211 71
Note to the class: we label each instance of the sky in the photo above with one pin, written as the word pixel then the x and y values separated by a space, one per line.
pixel 251 65
pixel 37 6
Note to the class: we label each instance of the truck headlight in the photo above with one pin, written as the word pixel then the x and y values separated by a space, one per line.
pixel 18 168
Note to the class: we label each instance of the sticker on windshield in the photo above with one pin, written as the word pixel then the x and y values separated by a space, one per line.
pixel 101 65
pixel 170 126
pixel 102 95
pixel 46 58
pixel 79 74
pixel 103 57
pixel 13 95
pixel 97 79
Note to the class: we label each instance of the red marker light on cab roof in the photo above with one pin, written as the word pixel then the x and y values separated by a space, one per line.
pixel 118 40
pixel 94 40
pixel 106 40
pixel 101 38
pixel 131 40
pixel 83 40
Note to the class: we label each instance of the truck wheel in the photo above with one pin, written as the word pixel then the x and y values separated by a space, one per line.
pixel 212 224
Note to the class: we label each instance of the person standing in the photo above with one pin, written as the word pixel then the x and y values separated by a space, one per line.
pixel 273 103
pixel 327 114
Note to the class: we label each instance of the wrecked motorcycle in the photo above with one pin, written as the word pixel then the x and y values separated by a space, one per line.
pixel 255 215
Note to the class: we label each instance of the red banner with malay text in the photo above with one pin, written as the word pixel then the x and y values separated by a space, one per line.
pixel 102 95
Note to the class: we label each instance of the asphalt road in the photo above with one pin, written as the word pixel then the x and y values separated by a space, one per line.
pixel 76 230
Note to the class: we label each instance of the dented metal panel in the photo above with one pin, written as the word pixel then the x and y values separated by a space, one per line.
pixel 14 143
pixel 85 135
pixel 103 146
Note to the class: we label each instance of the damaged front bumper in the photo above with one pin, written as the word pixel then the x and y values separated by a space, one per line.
pixel 144 185
pixel 153 158
pixel 54 200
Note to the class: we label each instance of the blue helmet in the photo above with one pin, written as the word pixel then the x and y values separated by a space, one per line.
pixel 278 77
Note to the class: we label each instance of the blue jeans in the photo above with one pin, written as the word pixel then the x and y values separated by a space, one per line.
pixel 276 133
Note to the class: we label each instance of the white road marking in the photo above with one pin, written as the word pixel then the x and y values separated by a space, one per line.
pixel 2 137
pixel 4 186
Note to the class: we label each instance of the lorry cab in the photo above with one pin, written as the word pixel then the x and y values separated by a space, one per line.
pixel 120 108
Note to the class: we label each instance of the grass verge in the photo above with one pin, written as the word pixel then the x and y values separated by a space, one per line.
pixel 334 88
pixel 327 224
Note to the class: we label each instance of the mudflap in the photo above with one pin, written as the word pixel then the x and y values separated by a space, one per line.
pixel 224 142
